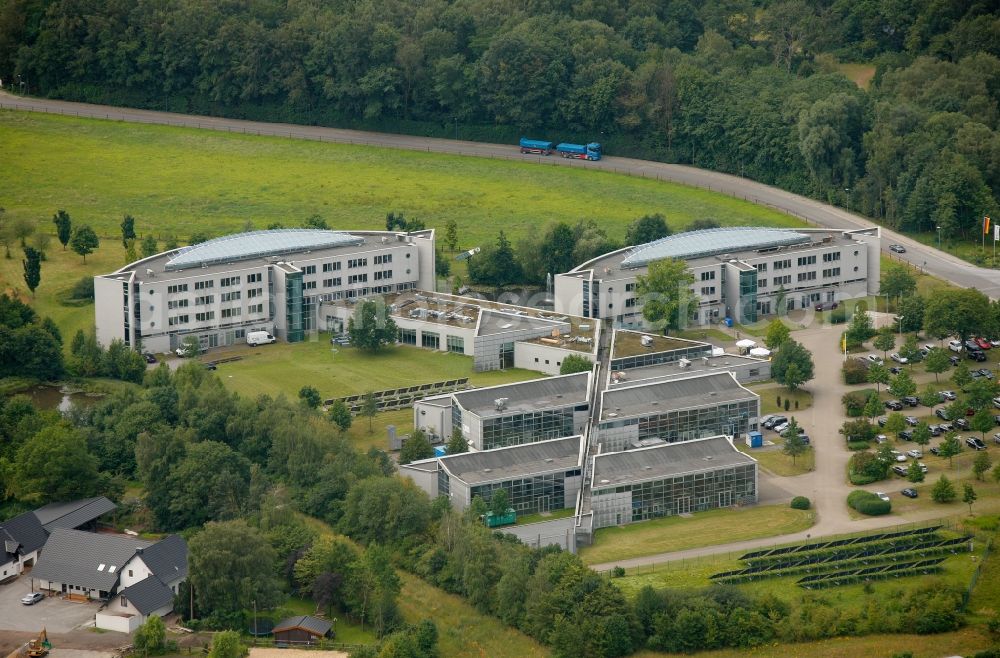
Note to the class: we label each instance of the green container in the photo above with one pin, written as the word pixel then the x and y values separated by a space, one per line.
pixel 493 521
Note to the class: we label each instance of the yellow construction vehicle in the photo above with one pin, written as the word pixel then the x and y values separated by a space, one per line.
pixel 38 646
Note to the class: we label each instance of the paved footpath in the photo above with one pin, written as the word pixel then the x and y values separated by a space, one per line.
pixel 935 262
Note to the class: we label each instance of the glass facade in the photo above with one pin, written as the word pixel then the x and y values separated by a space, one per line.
pixel 655 358
pixel 748 296
pixel 407 336
pixel 293 307
pixel 520 428
pixel 539 493
pixel 430 339
pixel 685 424
pixel 683 494
pixel 456 344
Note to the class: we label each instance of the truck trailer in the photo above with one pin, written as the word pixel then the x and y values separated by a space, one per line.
pixel 536 146
pixel 590 151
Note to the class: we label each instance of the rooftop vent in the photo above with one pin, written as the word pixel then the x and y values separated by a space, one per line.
pixel 487 470
pixel 605 481
pixel 101 566
pixel 708 458
pixel 500 403
pixel 548 460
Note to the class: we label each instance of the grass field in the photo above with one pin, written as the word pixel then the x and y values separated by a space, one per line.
pixel 779 463
pixel 769 393
pixel 676 533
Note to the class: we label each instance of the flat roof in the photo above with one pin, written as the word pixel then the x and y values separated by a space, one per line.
pixel 668 460
pixel 629 343
pixel 515 461
pixel 673 370
pixel 254 244
pixel 698 390
pixel 531 395
pixel 493 322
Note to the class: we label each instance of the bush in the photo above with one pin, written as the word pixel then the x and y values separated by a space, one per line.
pixel 858 445
pixel 787 404
pixel 854 372
pixel 868 503
pixel 854 401
pixel 838 315
pixel 866 467
pixel 618 572
pixel 801 502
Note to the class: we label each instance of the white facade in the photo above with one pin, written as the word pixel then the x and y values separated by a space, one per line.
pixel 15 567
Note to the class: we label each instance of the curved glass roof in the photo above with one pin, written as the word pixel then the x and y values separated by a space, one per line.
pixel 711 242
pixel 256 244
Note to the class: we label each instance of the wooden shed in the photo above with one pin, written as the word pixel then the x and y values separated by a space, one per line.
pixel 303 629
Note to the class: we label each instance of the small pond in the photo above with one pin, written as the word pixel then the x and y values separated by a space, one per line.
pixel 46 396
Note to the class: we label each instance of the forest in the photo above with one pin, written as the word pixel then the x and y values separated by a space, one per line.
pixel 751 87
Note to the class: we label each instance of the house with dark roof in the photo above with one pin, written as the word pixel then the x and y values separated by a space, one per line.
pixel 136 577
pixel 303 629
pixel 23 537
pixel 74 514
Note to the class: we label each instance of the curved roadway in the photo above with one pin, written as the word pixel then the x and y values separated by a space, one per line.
pixel 935 262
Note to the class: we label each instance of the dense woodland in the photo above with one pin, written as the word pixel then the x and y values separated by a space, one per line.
pixel 750 87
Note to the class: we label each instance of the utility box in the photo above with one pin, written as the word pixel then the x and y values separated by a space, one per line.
pixel 493 521
pixel 755 439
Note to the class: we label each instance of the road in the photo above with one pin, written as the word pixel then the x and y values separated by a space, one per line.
pixel 931 260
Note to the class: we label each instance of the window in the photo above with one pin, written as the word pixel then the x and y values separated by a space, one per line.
pixel 204 300
pixel 629 287
pixel 806 260
pixel 357 278
pixel 408 336
pixel 833 271
pixel 807 276
pixel 357 262
pixel 177 303
pixel 456 344
pixel 180 287
pixel 124 602
pixel 255 309
pixel 204 285
pixel 383 259
pixel 761 283
pixel 782 280
pixel 708 276
pixel 231 296
pixel 177 319
pixel 630 302
pixel 331 267
pixel 431 340
pixel 309 285
pixel 783 264
pixel 831 256
pixel 761 267
pixel 225 282
pixel 255 292
pixel 130 574
pixel 254 278
pixel 232 312
pixel 204 317
pixel 309 269
pixel 385 274
pixel 708 290
pixel 331 283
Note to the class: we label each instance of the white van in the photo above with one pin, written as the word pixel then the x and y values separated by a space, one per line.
pixel 259 338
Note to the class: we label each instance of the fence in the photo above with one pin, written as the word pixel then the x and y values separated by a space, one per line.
pixel 975 574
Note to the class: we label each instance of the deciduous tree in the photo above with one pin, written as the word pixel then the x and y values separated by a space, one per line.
pixel 968 495
pixel 128 230
pixel 232 565
pixel 340 415
pixel 937 361
pixel 792 365
pixel 646 229
pixel 665 291
pixel 776 334
pixel 371 327
pixel 981 464
pixel 415 448
pixel 84 241
pixel 575 363
pixel 885 340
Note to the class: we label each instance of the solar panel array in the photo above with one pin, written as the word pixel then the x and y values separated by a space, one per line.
pixel 398 398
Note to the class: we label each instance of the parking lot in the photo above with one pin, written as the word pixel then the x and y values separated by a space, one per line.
pixel 52 613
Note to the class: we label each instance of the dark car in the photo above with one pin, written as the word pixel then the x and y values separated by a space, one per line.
pixel 935 430
pixel 977 355
pixel 911 400
pixel 997 419
pixel 777 420
pixel 826 306
pixel 953 360
pixel 941 413
pixel 882 421
pixel 906 435
pixel 210 366
pixel 975 443
pixel 971 345
pixel 149 357
pixel 895 370
pixel 897 249
pixel 895 405
pixel 986 372
pixel 911 421
pixel 961 423
pixel 935 450
pixel 909 493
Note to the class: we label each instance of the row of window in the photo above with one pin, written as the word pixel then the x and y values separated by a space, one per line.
pixel 231 296
pixel 229 281
pixel 706 290
pixel 806 260
pixel 382 259
pixel 357 262
pixel 831 256
pixel 357 278
pixel 806 276
pixel 708 276
pixel 330 267
pixel 833 271
pixel 384 274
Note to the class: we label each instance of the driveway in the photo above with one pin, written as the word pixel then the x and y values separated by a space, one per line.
pixel 52 613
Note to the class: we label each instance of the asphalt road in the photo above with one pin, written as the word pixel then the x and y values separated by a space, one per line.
pixel 931 260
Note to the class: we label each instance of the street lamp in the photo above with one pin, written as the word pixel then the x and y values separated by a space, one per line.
pixel 901 318
pixel 848 191
pixel 939 237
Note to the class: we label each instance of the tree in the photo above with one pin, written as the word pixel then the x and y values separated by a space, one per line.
pixel 647 229
pixel 922 434
pixel 128 230
pixel 495 265
pixel 190 347
pixel 575 363
pixel 665 291
pixel 860 328
pixel 415 448
pixel 929 397
pixel 22 229
pixel 910 350
pixel 371 326
pixel 794 445
pixel 313 221
pixel 961 376
pixel 150 638
pixel 32 265
pixel 147 247
pixel 982 422
pixel 55 465
pixel 897 281
pixel 885 340
pixel 451 234
pixel 878 374
pixel 84 241
pixel 369 407
pixel 981 464
pixel 340 415
pixel 943 491
pixel 231 566
pixel 914 473
pixel 902 385
pixel 64 227
pixel 873 407
pixel 937 361
pixel 227 644
pixel 310 396
pixel 792 365
pixel 373 587
pixel 776 334
pixel 949 448
pixel 968 495
pixel 895 423
pixel 499 502
pixel 211 483
pixel 910 312
pixel 961 311
pixel 457 443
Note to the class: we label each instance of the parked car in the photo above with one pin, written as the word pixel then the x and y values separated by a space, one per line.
pixel 946 427
pixel 882 495
pixel 986 372
pixel 971 344
pixel 899 470
pixel 906 435
pixel 911 421
pixel 895 370
pixel 997 419
pixel 955 345
pixel 897 249
pixel 774 420
pixel 764 419
pixel 996 438
pixel 874 358
pixel 827 306
pixel 31 598
pixel 982 343
pixel 953 360
pixel 923 467
pixel 882 420
pixel 149 357
pixel 948 395
pixel 930 346
pixel 935 430
pixel 909 492
pixel 961 423
pixel 780 427
pixel 882 438
pixel 995 342
pixel 898 456
pixel 915 453
pixel 976 355
pixel 936 450
pixel 941 413
pixel 897 358
pixel 996 402
pixel 210 366
pixel 895 405
pixel 975 443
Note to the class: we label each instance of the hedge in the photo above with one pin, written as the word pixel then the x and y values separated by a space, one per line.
pixel 800 502
pixel 868 503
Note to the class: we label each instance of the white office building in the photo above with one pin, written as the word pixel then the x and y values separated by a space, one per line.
pixel 272 281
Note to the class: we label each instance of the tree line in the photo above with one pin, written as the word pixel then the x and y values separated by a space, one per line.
pixel 754 89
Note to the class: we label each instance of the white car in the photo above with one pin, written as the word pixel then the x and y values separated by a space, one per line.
pixel 883 496
pixel 948 395
pixel 898 456
pixel 874 359
pixel 929 346
pixel 916 454
pixel 780 427
pixel 881 438
pixel 995 343
pixel 996 402
pixel 897 358
pixel 955 345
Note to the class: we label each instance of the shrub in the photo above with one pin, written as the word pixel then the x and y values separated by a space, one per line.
pixel 868 503
pixel 858 445
pixel 854 372
pixel 838 315
pixel 866 467
pixel 796 405
pixel 787 404
pixel 778 401
pixel 800 502
pixel 854 401
pixel 618 572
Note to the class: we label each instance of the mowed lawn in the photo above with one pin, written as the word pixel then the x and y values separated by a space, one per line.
pixel 677 533
pixel 335 371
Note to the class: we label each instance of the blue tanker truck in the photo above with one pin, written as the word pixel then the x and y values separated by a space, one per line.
pixel 536 146
pixel 590 151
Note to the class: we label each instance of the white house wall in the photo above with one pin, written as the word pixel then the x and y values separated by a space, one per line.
pixel 541 357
